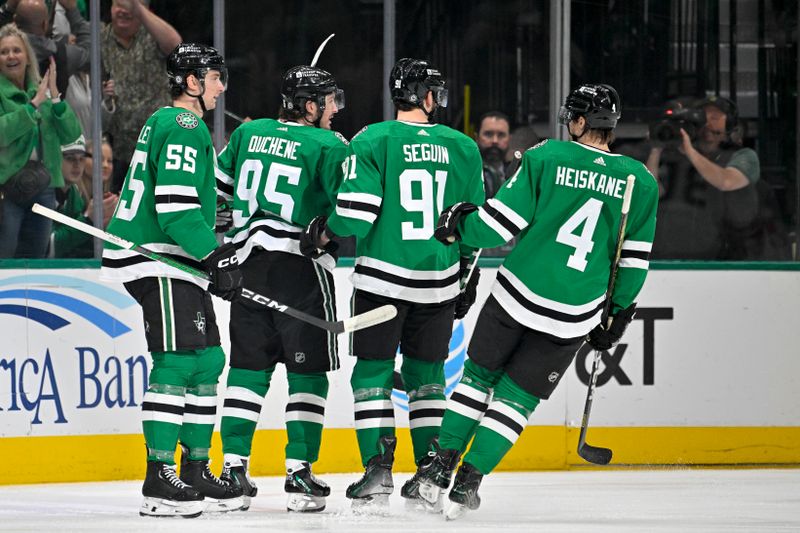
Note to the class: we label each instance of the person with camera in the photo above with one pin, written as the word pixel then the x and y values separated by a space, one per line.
pixel 34 123
pixel 727 172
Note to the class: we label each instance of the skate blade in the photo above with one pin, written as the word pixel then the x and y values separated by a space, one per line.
pixel 430 492
pixel 305 503
pixel 224 506
pixel 245 503
pixel 419 505
pixel 455 511
pixel 158 507
pixel 374 504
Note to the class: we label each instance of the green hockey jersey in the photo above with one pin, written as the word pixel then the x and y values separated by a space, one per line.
pixel 279 175
pixel 564 205
pixel 398 176
pixel 168 201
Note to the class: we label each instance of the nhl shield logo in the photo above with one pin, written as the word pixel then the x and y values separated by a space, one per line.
pixel 299 357
pixel 187 120
pixel 553 377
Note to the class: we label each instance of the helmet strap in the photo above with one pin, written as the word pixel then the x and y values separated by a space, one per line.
pixel 198 96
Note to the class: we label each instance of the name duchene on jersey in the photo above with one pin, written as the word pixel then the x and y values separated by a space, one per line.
pixel 276 146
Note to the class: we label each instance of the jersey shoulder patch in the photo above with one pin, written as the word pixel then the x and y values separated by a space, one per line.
pixel 187 120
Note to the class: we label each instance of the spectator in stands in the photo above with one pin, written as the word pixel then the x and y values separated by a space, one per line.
pixel 720 200
pixel 34 123
pixel 107 165
pixel 134 47
pixel 493 138
pixel 79 97
pixel 33 17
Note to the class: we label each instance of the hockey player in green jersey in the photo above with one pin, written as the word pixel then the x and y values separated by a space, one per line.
pixel 168 205
pixel 397 176
pixel 279 175
pixel 564 207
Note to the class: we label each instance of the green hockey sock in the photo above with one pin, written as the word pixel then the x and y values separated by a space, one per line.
pixel 374 412
pixel 200 412
pixel 466 405
pixel 502 424
pixel 162 416
pixel 424 383
pixel 244 397
pixel 305 415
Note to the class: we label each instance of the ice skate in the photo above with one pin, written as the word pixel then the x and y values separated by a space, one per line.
pixel 410 490
pixel 220 496
pixel 306 491
pixel 371 492
pixel 464 495
pixel 166 495
pixel 235 473
pixel 434 477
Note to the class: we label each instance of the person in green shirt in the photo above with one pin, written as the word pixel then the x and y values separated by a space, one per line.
pixel 168 205
pixel 564 207
pixel 279 175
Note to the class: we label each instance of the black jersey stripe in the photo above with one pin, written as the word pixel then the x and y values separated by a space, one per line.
pixel 242 404
pixel 305 406
pixel 505 420
pixel 139 259
pixel 162 407
pixel 359 206
pixel 406 282
pixel 176 199
pixel 469 402
pixel 374 413
pixel 634 254
pixel 544 311
pixel 502 219
pixel 225 188
pixel 272 232
pixel 425 413
pixel 200 409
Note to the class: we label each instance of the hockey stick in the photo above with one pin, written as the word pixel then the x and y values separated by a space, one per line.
pixel 595 454
pixel 319 50
pixel 354 323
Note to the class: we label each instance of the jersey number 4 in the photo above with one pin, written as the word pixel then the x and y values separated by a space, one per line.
pixel 582 242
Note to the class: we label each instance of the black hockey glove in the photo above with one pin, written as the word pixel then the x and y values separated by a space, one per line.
pixel 602 339
pixel 223 268
pixel 224 220
pixel 446 228
pixel 311 239
pixel 467 296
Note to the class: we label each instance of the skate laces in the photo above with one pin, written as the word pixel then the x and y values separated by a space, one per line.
pixel 168 472
pixel 209 475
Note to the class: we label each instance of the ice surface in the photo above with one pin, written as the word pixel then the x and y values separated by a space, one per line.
pixel 706 500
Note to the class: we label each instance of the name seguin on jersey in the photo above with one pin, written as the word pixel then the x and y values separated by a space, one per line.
pixel 586 179
pixel 276 146
pixel 414 153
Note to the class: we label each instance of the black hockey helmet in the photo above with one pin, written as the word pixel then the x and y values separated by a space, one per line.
pixel 193 58
pixel 411 79
pixel 599 104
pixel 303 83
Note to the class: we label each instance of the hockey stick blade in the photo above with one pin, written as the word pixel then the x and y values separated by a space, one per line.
pixel 370 318
pixel 594 454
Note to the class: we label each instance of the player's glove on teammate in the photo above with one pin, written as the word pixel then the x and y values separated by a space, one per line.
pixel 467 296
pixel 602 339
pixel 224 220
pixel 311 239
pixel 223 268
pixel 447 226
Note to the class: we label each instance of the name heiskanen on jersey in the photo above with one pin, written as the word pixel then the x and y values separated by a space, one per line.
pixel 586 179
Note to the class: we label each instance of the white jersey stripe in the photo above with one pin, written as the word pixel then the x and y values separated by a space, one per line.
pixel 639 246
pixel 369 423
pixel 546 302
pixel 500 428
pixel 235 412
pixel 370 405
pixel 305 397
pixel 305 416
pixel 181 190
pixel 407 272
pixel 174 208
pixel 366 216
pixel 160 416
pixel 464 410
pixel 509 213
pixel 428 421
pixel 494 224
pixel 632 262
pixel 393 290
pixel 361 197
pixel 194 418
pixel 415 405
pixel 246 395
pixel 201 401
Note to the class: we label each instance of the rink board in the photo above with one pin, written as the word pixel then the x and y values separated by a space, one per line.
pixel 706 375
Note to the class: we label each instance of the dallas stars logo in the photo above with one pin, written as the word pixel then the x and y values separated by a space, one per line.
pixel 187 120
pixel 200 323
